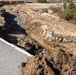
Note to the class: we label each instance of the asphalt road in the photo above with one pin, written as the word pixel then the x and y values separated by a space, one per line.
pixel 10 58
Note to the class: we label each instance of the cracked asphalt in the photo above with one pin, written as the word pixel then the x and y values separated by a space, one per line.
pixel 10 59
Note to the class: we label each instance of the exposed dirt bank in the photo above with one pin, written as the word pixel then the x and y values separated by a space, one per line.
pixel 51 63
pixel 49 32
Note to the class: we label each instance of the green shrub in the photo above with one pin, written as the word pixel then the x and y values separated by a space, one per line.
pixel 42 1
pixel 43 10
pixel 72 6
pixel 69 13
pixel 55 9
pixel 64 5
pixel 74 16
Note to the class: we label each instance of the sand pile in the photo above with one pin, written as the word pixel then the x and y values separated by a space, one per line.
pixel 51 63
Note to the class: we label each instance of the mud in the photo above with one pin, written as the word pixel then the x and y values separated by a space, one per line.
pixel 51 63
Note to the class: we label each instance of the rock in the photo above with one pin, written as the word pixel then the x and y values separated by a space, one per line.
pixel 50 11
pixel 74 40
pixel 49 34
pixel 2 21
pixel 28 46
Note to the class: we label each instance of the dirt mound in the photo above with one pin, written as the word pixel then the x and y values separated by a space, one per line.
pixel 47 26
pixel 51 63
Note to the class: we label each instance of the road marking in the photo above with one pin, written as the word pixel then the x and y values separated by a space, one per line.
pixel 17 48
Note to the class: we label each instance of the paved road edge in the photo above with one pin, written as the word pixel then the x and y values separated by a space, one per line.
pixel 17 48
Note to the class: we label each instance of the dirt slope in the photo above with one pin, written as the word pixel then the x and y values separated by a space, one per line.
pixel 49 32
pixel 57 62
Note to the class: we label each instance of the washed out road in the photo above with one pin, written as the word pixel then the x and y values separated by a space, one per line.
pixel 10 58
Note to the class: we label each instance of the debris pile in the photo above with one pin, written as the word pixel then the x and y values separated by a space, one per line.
pixel 51 63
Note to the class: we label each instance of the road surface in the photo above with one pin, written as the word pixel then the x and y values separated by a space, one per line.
pixel 10 58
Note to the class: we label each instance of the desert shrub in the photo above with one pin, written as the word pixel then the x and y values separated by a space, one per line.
pixel 68 14
pixel 64 5
pixel 70 11
pixel 72 6
pixel 43 10
pixel 74 16
pixel 42 1
pixel 55 9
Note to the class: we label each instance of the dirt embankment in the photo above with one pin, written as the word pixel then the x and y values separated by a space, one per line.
pixel 56 62
pixel 49 32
